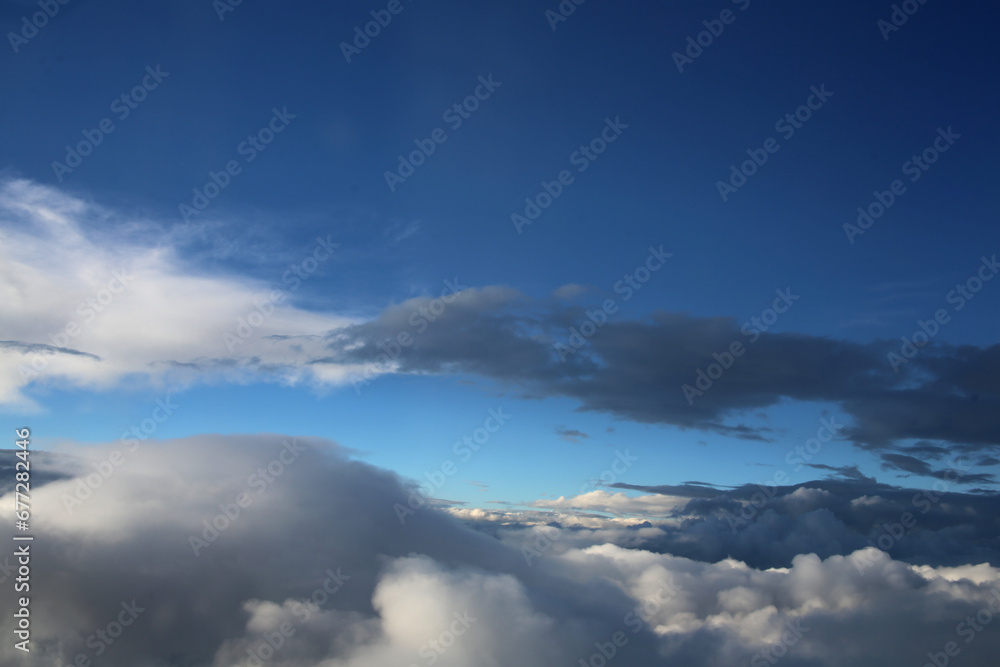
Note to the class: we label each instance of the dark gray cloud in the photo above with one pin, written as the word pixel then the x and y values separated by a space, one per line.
pixel 571 434
pixel 637 370
pixel 915 466
pixel 926 449
pixel 848 472
pixel 768 526
pixel 48 468
pixel 40 348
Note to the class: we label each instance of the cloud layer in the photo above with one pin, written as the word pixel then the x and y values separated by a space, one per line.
pixel 767 526
pixel 307 554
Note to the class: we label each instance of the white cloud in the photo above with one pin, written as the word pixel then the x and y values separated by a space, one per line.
pixel 653 505
pixel 408 585
pixel 69 320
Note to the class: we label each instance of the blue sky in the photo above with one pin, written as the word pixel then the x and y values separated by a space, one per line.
pixel 655 185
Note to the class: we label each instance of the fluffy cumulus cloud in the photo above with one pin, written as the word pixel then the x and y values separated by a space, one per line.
pixel 226 550
pixel 765 526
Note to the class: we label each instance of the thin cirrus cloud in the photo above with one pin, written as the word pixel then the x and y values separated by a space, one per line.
pixel 571 434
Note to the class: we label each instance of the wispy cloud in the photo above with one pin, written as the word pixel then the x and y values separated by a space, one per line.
pixel 571 434
pixel 86 307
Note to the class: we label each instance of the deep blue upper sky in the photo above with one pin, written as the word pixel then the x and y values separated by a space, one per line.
pixel 655 185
